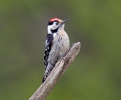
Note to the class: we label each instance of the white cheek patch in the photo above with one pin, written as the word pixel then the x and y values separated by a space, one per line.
pixel 52 27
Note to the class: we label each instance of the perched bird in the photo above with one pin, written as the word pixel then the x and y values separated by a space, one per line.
pixel 56 45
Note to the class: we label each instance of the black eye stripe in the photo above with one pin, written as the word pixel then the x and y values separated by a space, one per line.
pixel 54 31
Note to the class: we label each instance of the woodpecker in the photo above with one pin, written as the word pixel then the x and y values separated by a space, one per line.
pixel 56 45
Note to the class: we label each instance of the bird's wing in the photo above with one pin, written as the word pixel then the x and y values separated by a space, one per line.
pixel 48 45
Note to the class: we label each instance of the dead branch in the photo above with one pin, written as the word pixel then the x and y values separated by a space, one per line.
pixel 60 67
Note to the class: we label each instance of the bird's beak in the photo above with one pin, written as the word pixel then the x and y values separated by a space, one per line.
pixel 62 22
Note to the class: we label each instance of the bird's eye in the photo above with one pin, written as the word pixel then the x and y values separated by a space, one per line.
pixel 56 23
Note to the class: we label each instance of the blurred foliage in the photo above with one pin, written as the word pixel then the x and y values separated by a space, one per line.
pixel 96 72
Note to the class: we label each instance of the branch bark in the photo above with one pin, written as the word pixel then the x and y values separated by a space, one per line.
pixel 43 91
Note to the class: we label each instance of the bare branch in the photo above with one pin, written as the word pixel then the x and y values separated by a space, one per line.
pixel 60 67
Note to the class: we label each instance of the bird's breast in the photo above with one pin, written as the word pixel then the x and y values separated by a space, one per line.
pixel 61 42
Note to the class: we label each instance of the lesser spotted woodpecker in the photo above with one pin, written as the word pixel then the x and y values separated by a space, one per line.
pixel 56 45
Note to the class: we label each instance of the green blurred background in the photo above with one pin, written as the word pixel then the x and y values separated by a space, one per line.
pixel 95 74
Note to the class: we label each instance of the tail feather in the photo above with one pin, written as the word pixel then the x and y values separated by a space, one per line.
pixel 47 72
pixel 43 80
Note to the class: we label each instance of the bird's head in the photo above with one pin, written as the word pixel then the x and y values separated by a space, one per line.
pixel 54 24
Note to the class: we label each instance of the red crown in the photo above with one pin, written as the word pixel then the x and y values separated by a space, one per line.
pixel 54 19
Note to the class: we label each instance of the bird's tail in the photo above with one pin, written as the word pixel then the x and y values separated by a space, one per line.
pixel 47 72
pixel 43 80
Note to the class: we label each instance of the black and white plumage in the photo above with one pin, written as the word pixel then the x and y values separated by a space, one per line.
pixel 48 45
pixel 56 45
